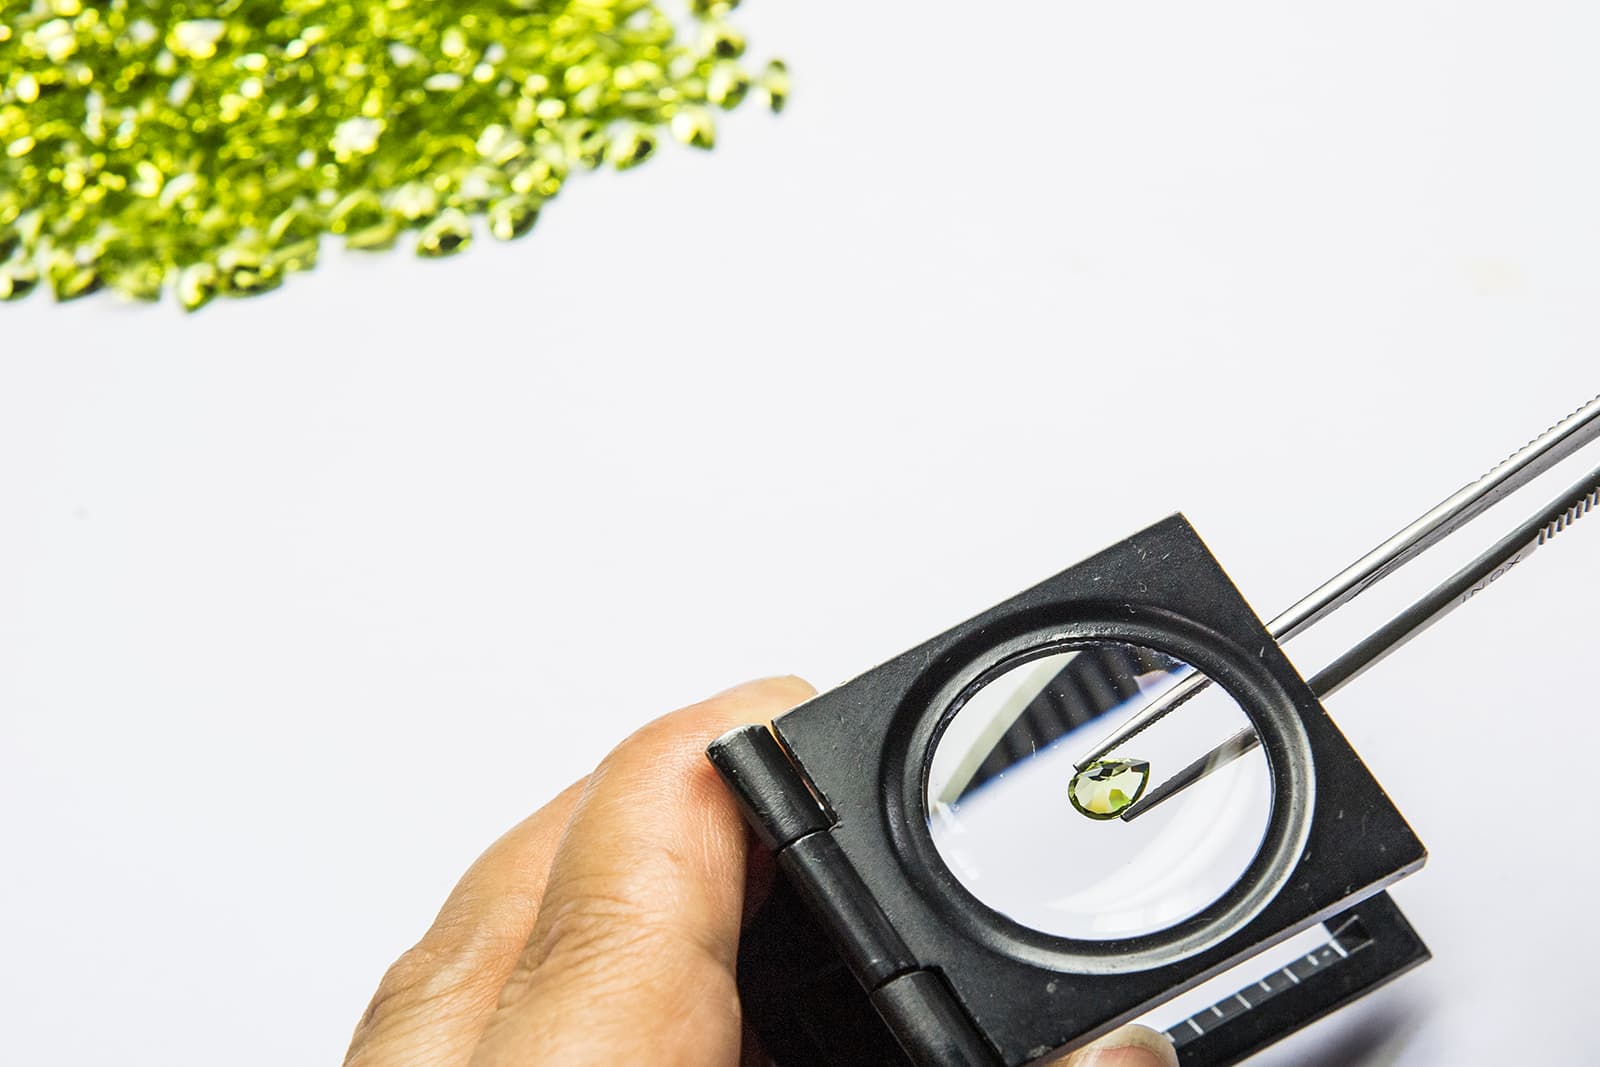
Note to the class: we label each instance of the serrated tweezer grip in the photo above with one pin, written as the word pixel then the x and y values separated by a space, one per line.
pixel 1459 588
pixel 1449 515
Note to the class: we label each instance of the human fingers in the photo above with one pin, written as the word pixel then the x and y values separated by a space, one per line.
pixel 1129 1046
pixel 632 957
pixel 434 1002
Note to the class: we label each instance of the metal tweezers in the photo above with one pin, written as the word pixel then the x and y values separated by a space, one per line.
pixel 1537 457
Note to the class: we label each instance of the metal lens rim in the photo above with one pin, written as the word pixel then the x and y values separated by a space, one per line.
pixel 1285 743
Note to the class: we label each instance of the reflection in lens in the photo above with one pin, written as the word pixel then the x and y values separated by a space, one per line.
pixel 1041 844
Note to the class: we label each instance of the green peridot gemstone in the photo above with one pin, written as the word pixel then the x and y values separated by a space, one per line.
pixel 694 126
pixel 196 285
pixel 17 279
pixel 775 83
pixel 586 144
pixel 446 235
pixel 358 211
pixel 414 202
pixel 722 41
pixel 727 84
pixel 214 144
pixel 512 217
pixel 1108 787
pixel 137 280
pixel 301 255
pixel 245 269
pixel 632 147
pixel 72 274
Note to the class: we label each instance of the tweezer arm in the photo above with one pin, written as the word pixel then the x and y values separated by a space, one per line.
pixel 1456 590
pixel 1467 503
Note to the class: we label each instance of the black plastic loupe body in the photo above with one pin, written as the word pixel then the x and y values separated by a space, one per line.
pixel 940 904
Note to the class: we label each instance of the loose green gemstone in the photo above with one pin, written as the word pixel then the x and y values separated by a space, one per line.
pixel 17 279
pixel 727 84
pixel 722 41
pixel 196 285
pixel 538 178
pixel 586 143
pixel 775 83
pixel 446 235
pixel 373 238
pixel 140 279
pixel 694 126
pixel 214 144
pixel 358 211
pixel 512 217
pixel 72 274
pixel 298 223
pixel 632 147
pixel 1106 788
pixel 245 269
pixel 301 255
pixel 414 202
pixel 366 226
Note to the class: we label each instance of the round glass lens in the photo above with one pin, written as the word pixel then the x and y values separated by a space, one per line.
pixel 1046 845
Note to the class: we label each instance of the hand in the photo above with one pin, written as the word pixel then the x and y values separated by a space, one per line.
pixel 603 929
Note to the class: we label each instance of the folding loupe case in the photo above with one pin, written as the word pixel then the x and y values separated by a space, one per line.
pixel 869 951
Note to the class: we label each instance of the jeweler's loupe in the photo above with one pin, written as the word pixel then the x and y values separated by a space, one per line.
pixel 1056 816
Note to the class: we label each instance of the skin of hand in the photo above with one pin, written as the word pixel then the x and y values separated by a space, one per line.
pixel 603 929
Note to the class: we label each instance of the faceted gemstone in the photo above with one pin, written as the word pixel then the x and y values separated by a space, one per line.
pixel 360 217
pixel 301 255
pixel 197 284
pixel 355 212
pixel 296 224
pixel 537 178
pixel 512 217
pixel 72 274
pixel 246 268
pixel 586 144
pixel 693 125
pixel 379 235
pixel 727 84
pixel 414 202
pixel 138 279
pixel 632 147
pixel 17 279
pixel 445 235
pixel 219 138
pixel 1107 787
pixel 775 83
pixel 722 41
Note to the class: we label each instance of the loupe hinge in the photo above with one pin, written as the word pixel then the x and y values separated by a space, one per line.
pixel 771 793
pixel 929 1024
pixel 918 1007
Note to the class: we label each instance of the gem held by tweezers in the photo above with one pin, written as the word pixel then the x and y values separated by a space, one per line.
pixel 1108 787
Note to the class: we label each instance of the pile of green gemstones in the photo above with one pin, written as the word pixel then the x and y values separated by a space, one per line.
pixel 205 148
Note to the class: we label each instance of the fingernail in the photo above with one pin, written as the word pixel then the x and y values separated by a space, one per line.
pixel 1132 1046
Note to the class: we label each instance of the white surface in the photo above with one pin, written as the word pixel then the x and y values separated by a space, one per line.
pixel 304 599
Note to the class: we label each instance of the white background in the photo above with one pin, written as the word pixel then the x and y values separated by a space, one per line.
pixel 304 599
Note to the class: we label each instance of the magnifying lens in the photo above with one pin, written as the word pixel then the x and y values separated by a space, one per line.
pixel 1038 841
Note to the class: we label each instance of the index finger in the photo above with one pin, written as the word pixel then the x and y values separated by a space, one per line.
pixel 637 934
